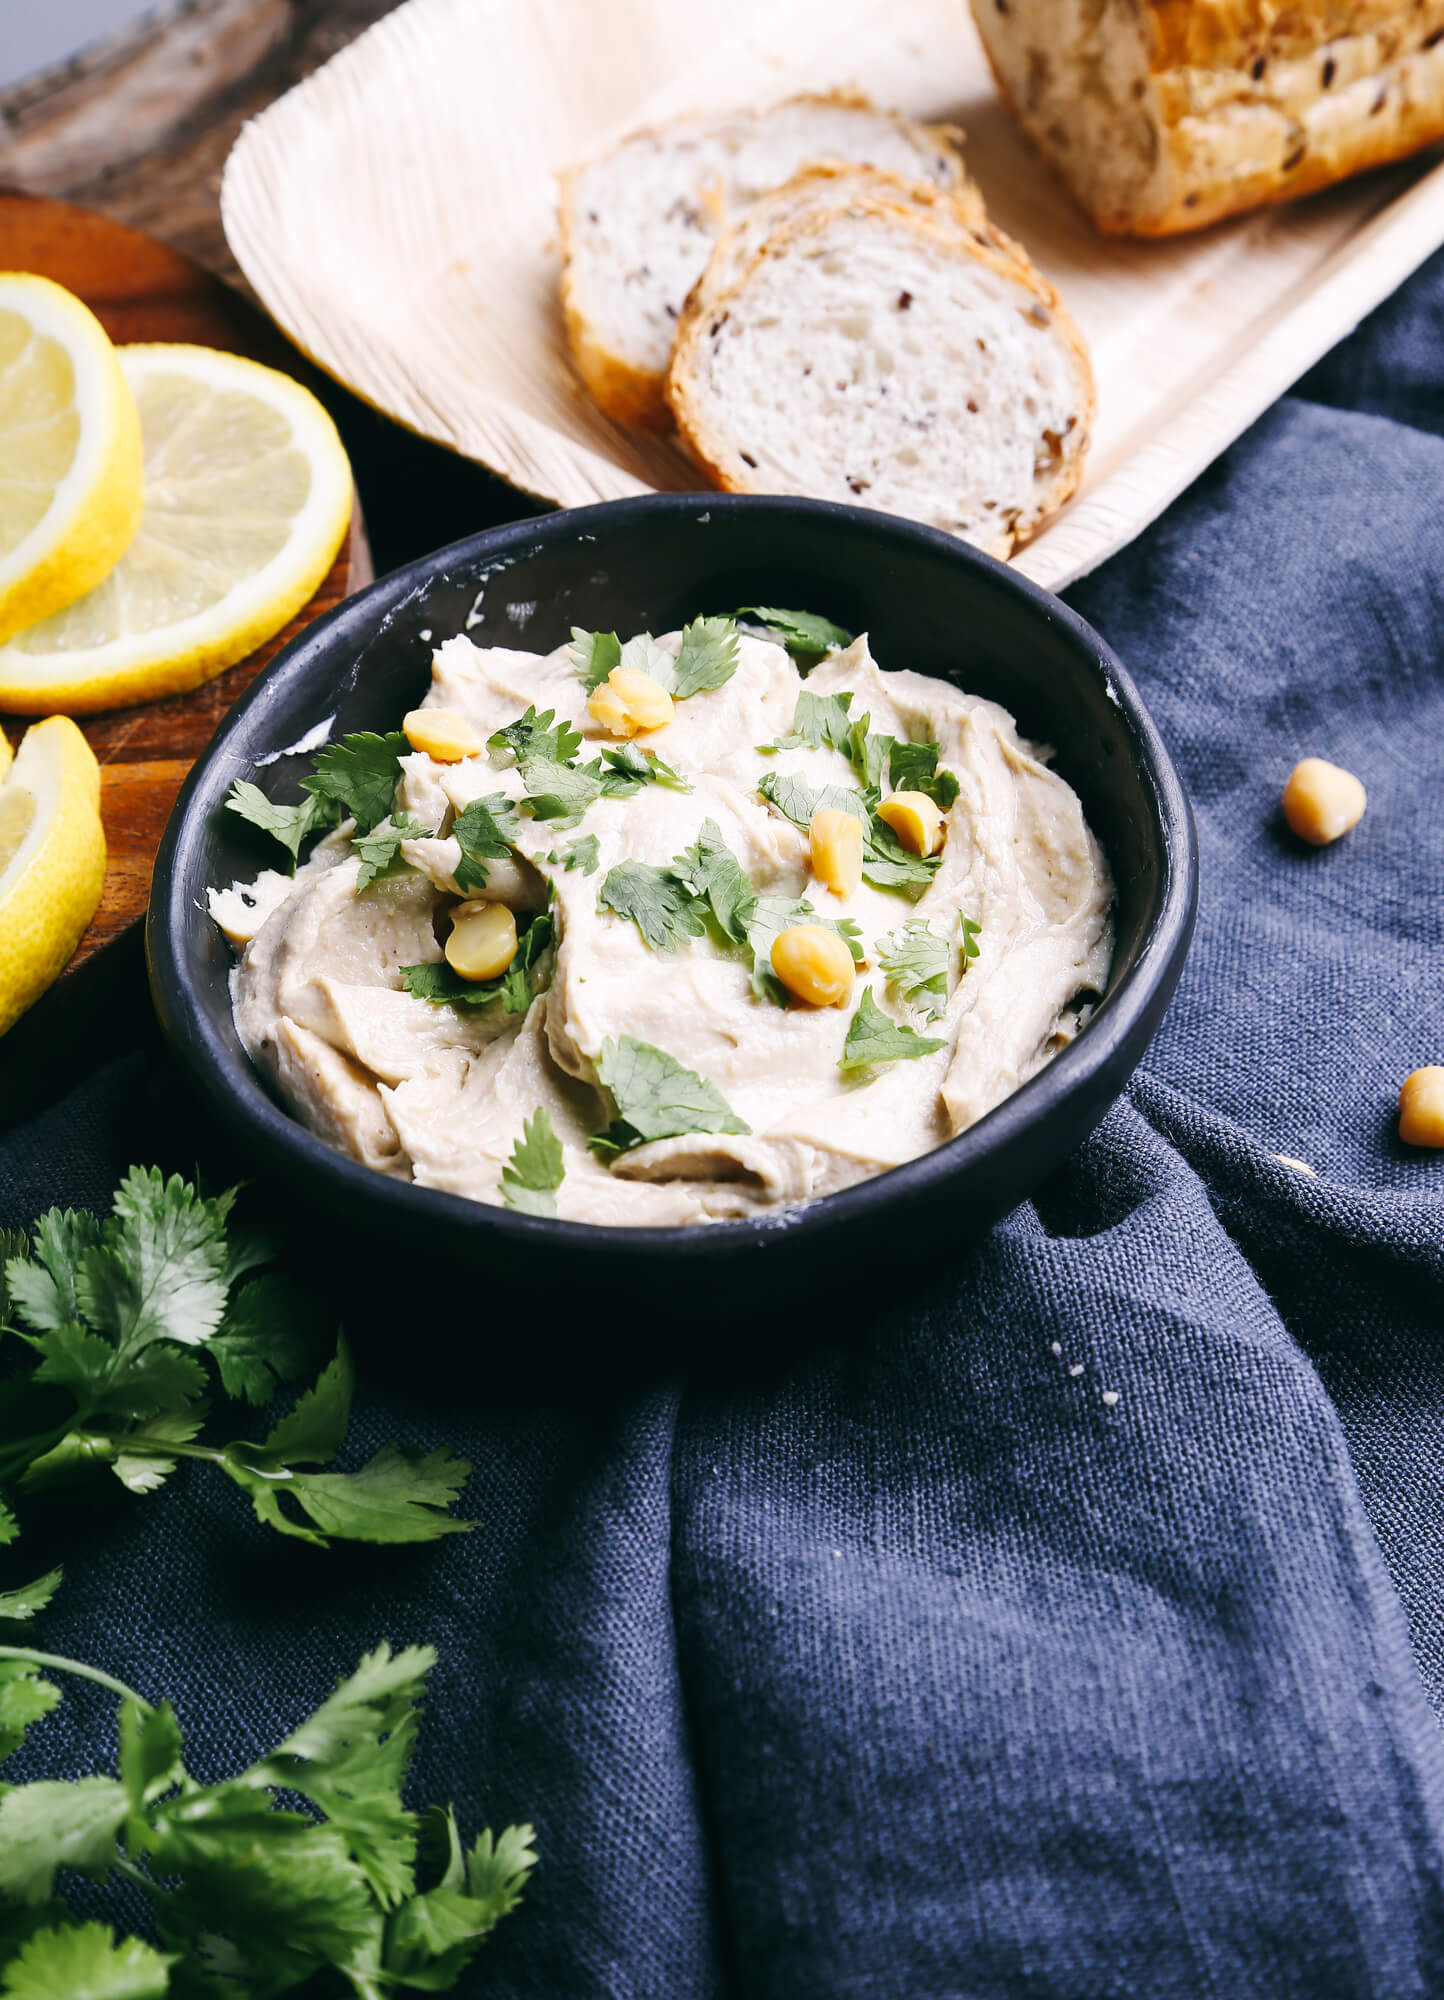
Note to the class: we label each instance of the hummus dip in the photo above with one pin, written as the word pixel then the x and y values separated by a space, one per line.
pixel 437 1093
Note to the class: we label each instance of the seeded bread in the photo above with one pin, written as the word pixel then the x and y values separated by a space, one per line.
pixel 869 354
pixel 639 224
pixel 1165 115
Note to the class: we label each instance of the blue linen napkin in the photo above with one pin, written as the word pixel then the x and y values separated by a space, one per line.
pixel 911 1663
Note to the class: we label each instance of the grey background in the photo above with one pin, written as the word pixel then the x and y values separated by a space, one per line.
pixel 34 34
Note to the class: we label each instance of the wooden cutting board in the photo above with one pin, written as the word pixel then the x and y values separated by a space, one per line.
pixel 140 290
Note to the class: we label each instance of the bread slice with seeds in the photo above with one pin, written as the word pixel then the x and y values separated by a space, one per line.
pixel 638 225
pixel 869 353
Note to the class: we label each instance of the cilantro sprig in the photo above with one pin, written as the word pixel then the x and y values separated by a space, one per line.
pixel 536 1169
pixel 655 1097
pixel 131 1320
pixel 805 634
pixel 248 1894
pixel 707 658
pixel 873 1038
pixel 353 779
pixel 916 961
pixel 380 850
pixel 516 988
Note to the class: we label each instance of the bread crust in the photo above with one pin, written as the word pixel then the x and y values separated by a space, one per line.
pixel 720 462
pixel 637 396
pixel 1238 103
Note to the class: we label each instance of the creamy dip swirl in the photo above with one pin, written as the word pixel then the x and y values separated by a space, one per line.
pixel 438 1094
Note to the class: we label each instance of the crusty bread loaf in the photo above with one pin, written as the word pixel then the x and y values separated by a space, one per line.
pixel 869 353
pixel 638 225
pixel 1164 115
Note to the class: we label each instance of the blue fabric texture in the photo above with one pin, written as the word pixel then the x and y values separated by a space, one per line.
pixel 901 1662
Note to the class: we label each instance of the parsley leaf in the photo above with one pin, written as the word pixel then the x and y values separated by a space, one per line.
pixel 627 769
pixel 708 658
pixel 873 1038
pixel 250 1895
pixel 659 905
pixel 380 851
pixel 655 1097
pixel 530 1179
pixel 593 655
pixel 533 735
pixel 360 775
pixel 915 960
pixel 485 832
pixel 801 632
pixel 515 988
pixel 558 791
pixel 291 825
pixel 820 721
pixel 84 1961
pixel 709 869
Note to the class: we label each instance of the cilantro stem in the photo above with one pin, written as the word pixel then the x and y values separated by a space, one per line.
pixel 79 1669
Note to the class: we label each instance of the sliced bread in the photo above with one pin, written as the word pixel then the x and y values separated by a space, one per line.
pixel 638 225
pixel 871 354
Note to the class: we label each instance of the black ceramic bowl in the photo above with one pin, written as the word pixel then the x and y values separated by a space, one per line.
pixel 929 603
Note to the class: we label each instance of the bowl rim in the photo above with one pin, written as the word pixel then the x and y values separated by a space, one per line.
pixel 247 1102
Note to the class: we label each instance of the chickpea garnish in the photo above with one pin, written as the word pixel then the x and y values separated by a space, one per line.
pixel 836 841
pixel 1421 1107
pixel 915 819
pixel 444 737
pixel 814 964
pixel 1322 801
pixel 629 701
pixel 483 940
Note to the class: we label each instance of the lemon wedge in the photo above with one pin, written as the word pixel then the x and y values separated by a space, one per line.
pixel 52 860
pixel 247 498
pixel 70 480
pixel 6 753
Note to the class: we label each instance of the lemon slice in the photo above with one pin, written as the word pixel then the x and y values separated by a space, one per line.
pixel 6 754
pixel 52 860
pixel 70 491
pixel 247 498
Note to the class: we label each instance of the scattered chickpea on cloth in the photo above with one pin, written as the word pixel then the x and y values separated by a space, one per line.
pixel 1322 801
pixel 1421 1107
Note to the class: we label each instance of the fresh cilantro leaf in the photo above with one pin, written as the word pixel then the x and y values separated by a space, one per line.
pixel 801 632
pixel 645 656
pixel 530 1179
pixel 915 960
pixel 159 1272
pixel 516 988
pixel 43 1291
pixel 533 735
pixel 584 853
pixel 593 655
pixel 33 1597
pixel 291 825
pixel 708 657
pixel 887 864
pixel 496 1870
pixel 485 832
pixel 558 791
pixel 266 1339
pixel 868 753
pixel 313 1432
pixel 655 900
pixel 655 1097
pixel 360 775
pixel 915 769
pixel 768 918
pixel 629 768
pixel 398 1496
pixel 873 1038
pixel 25 1699
pixel 820 721
pixel 84 1962
pixel 709 869
pixel 48 1826
pixel 971 932
pixel 380 851
pixel 150 1752
pixel 796 800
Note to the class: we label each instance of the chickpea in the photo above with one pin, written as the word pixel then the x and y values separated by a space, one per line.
pixel 915 819
pixel 629 701
pixel 1322 801
pixel 836 841
pixel 1421 1108
pixel 814 964
pixel 483 940
pixel 445 738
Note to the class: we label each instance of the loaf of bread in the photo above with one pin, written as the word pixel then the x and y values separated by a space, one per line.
pixel 1164 115
pixel 879 347
pixel 638 225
